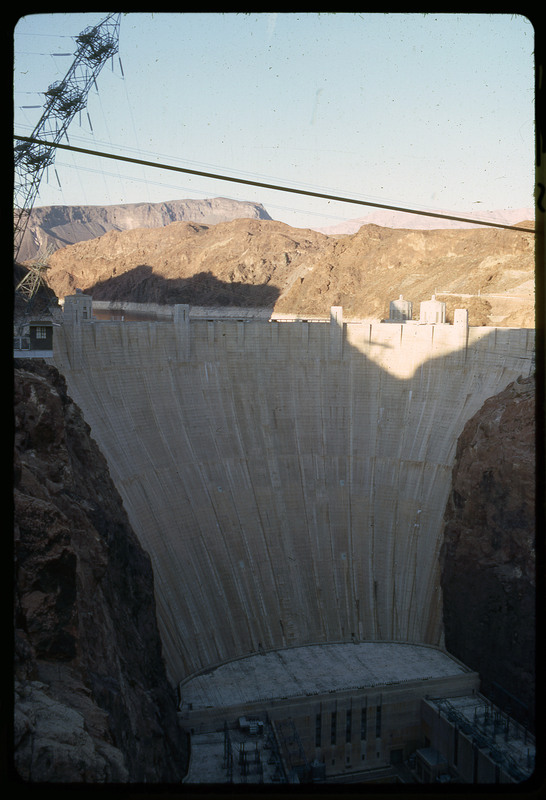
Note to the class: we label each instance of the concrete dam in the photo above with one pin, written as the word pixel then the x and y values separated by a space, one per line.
pixel 287 478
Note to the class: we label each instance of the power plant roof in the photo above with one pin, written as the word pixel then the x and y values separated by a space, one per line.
pixel 316 669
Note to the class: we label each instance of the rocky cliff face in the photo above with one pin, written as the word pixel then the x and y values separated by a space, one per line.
pixel 488 559
pixel 253 262
pixel 57 226
pixel 92 702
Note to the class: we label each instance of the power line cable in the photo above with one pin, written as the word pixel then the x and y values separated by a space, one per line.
pixel 203 193
pixel 188 190
pixel 274 187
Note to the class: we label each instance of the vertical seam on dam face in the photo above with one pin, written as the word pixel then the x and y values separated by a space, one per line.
pixel 288 480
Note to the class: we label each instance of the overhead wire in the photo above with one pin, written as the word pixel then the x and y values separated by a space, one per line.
pixel 273 187
pixel 200 192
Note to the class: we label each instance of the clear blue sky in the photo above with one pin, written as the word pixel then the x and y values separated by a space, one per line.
pixel 430 111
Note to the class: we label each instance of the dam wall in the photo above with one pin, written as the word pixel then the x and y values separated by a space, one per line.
pixel 288 479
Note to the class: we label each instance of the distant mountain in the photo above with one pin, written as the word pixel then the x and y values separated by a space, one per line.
pixel 402 219
pixel 58 226
pixel 54 227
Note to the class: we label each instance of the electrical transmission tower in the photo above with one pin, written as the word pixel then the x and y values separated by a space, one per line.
pixel 28 286
pixel 64 99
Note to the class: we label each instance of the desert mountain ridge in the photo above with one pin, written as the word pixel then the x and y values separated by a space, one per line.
pixel 265 263
pixel 52 227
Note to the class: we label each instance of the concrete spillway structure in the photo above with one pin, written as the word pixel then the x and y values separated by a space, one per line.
pixel 288 479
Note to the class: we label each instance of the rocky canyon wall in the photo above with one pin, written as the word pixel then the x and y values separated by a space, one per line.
pixel 92 701
pixel 488 556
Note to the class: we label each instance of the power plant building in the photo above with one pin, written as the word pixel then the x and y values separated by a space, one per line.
pixel 354 707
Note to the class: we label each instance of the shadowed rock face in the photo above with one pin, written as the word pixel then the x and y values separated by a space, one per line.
pixel 488 575
pixel 92 702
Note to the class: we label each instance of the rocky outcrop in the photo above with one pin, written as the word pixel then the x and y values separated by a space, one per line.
pixel 92 701
pixel 488 556
pixel 58 226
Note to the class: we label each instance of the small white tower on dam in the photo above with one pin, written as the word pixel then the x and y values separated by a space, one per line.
pixel 460 317
pixel 78 307
pixel 400 310
pixel 432 311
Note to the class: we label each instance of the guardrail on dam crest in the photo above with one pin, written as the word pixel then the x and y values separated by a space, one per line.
pixel 288 479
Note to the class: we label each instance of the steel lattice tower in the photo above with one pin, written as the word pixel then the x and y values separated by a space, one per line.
pixel 64 99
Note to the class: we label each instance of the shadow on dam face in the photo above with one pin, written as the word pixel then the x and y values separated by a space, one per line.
pixel 288 479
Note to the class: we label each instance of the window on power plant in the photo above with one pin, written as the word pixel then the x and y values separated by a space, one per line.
pixel 318 730
pixel 348 727
pixel 363 724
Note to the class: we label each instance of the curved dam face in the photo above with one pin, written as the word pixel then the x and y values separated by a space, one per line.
pixel 288 479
